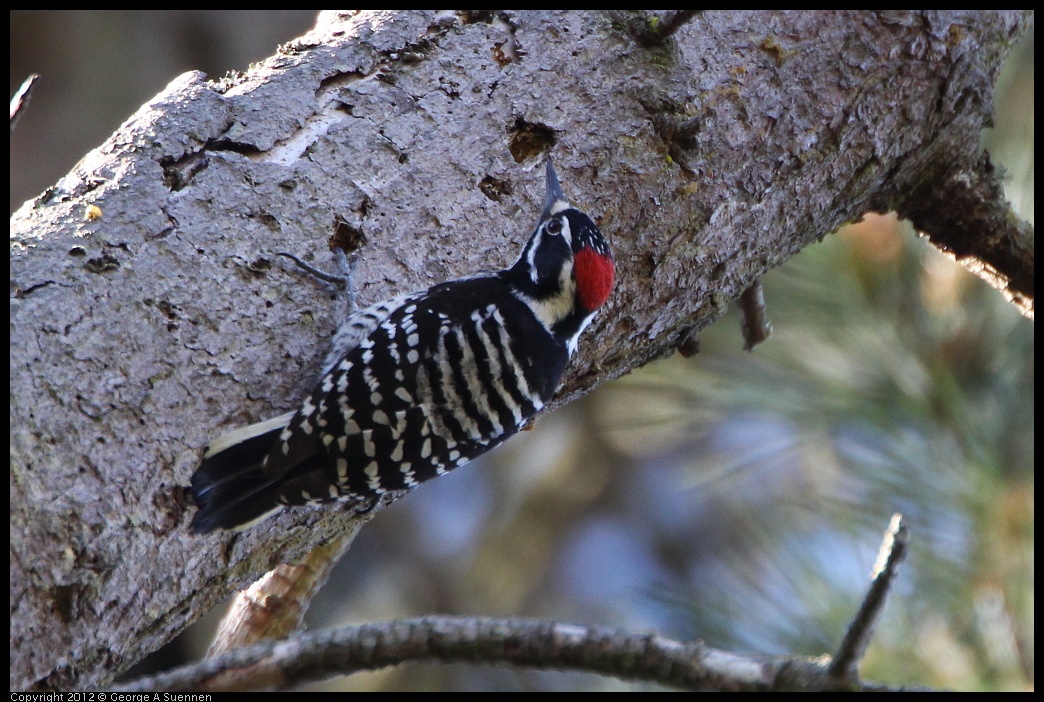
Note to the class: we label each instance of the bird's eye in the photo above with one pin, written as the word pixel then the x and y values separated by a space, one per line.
pixel 554 227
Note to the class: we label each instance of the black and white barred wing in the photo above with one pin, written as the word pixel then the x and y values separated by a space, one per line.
pixel 424 385
pixel 432 386
pixel 236 483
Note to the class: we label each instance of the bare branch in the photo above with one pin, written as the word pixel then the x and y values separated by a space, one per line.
pixel 965 214
pixel 274 606
pixel 540 644
pixel 520 642
pixel 893 550
pixel 21 98
pixel 756 324
pixel 675 22
pixel 653 29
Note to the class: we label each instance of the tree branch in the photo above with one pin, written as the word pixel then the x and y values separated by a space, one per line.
pixel 965 214
pixel 21 98
pixel 273 607
pixel 755 322
pixel 652 29
pixel 845 663
pixel 538 644
pixel 522 642
pixel 706 160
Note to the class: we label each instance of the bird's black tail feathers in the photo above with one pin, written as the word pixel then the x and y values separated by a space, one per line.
pixel 229 487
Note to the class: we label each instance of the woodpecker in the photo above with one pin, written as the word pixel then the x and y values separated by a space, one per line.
pixel 420 384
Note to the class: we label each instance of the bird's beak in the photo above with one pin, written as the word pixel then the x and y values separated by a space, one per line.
pixel 555 200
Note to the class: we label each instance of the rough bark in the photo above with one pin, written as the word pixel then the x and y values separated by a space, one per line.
pixel 148 314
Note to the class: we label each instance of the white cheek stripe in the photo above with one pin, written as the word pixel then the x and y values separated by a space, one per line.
pixel 531 257
pixel 566 234
pixel 538 241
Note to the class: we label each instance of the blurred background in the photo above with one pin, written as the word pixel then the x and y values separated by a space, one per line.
pixel 733 497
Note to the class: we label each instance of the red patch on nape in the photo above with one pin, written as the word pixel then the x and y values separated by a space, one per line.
pixel 595 274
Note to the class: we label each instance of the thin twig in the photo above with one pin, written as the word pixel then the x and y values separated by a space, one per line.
pixel 338 280
pixel 21 98
pixel 756 324
pixel 679 18
pixel 649 29
pixel 893 549
pixel 689 343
